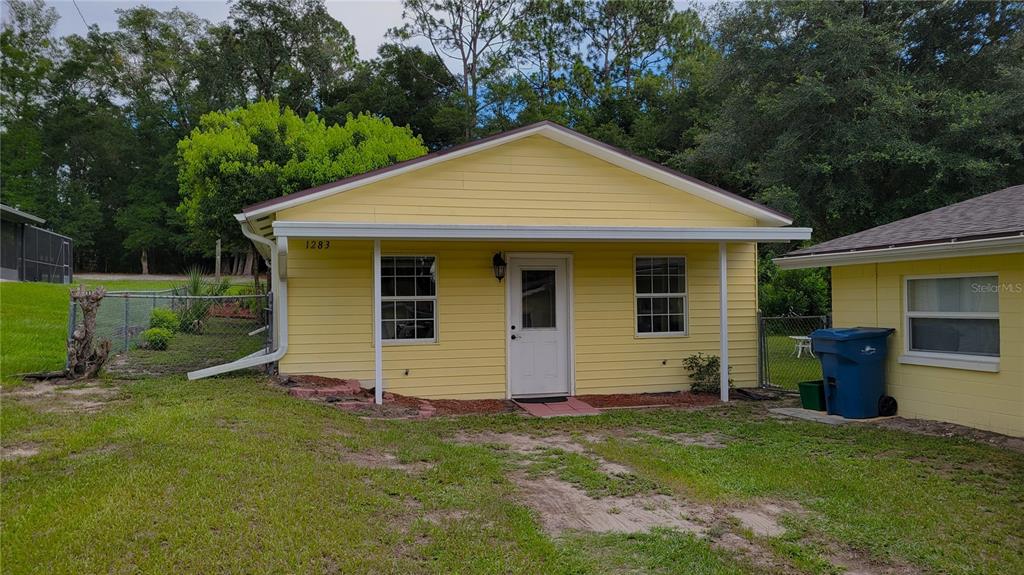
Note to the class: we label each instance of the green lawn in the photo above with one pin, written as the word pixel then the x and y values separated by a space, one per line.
pixel 785 369
pixel 232 475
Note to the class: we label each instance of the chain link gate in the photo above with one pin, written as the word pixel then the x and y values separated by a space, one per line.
pixel 785 350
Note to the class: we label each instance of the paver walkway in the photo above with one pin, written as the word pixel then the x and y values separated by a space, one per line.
pixel 570 407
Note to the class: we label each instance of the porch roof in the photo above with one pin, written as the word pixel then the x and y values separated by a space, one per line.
pixel 349 230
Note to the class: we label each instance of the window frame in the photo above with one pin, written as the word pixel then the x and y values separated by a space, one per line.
pixel 685 295
pixel 939 358
pixel 434 298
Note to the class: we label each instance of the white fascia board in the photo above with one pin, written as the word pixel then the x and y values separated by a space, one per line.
pixel 571 139
pixel 951 249
pixel 301 229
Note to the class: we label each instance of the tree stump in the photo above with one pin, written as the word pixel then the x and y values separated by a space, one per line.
pixel 84 359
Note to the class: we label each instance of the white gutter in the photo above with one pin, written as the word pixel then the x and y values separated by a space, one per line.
pixel 279 289
pixel 947 249
pixel 305 229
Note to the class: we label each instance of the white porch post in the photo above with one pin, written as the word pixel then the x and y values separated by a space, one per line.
pixel 378 361
pixel 723 318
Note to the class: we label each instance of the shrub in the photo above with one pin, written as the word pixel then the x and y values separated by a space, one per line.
pixel 157 337
pixel 705 373
pixel 165 319
pixel 194 313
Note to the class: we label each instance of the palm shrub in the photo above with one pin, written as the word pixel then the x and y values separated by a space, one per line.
pixel 704 372
pixel 194 312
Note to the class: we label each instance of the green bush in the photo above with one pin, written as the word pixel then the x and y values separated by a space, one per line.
pixel 792 292
pixel 157 337
pixel 705 373
pixel 165 319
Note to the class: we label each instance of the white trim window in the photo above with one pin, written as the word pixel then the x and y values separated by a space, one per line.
pixel 408 298
pixel 660 294
pixel 955 317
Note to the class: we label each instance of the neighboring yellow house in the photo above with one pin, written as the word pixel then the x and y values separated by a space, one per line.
pixel 951 282
pixel 537 262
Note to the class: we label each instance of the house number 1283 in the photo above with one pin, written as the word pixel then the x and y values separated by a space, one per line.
pixel 318 244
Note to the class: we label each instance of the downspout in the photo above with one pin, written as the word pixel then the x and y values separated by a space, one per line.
pixel 279 289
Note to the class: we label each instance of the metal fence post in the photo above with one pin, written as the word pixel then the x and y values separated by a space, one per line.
pixel 760 352
pixel 72 321
pixel 126 322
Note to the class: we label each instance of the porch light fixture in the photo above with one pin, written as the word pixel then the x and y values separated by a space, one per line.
pixel 499 266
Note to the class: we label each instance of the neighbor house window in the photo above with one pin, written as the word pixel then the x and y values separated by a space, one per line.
pixel 408 298
pixel 660 295
pixel 953 315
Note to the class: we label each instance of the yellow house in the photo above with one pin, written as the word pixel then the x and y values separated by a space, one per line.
pixel 537 262
pixel 951 282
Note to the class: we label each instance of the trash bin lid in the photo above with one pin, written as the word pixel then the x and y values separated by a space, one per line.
pixel 850 333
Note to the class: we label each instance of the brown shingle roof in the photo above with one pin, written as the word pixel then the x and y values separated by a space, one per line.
pixel 992 215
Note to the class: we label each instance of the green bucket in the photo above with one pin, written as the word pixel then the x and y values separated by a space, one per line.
pixel 812 395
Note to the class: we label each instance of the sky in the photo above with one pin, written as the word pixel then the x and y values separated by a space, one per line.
pixel 367 20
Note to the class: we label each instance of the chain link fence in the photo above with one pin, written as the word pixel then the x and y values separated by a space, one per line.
pixel 786 356
pixel 171 332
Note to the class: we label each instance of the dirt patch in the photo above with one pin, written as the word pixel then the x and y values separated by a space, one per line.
pixel 669 399
pixel 562 507
pixel 58 397
pixel 382 460
pixel 855 563
pixel 752 552
pixel 18 451
pixel 709 440
pixel 762 522
pixel 943 429
pixel 522 442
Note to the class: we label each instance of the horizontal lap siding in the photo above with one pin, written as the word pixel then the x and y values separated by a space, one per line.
pixel 533 181
pixel 610 358
pixel 872 295
pixel 330 326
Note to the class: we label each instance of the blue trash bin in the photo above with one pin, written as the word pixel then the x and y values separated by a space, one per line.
pixel 853 366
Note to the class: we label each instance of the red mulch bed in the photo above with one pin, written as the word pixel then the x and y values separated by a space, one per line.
pixel 315 381
pixel 458 406
pixel 231 310
pixel 673 398
pixel 495 406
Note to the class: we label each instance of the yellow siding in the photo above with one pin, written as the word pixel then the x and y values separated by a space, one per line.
pixel 330 325
pixel 872 295
pixel 533 181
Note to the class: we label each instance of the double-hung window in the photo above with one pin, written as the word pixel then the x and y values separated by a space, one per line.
pixel 660 294
pixel 954 317
pixel 408 298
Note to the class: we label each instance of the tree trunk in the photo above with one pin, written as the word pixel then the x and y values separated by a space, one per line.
pixel 249 259
pixel 85 360
pixel 144 258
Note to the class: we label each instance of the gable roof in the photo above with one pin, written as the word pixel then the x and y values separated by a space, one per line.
pixel 571 138
pixel 993 216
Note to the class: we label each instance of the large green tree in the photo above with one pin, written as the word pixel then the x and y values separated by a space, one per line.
pixel 408 86
pixel 849 115
pixel 262 151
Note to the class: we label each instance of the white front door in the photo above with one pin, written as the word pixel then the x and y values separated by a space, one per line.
pixel 538 326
